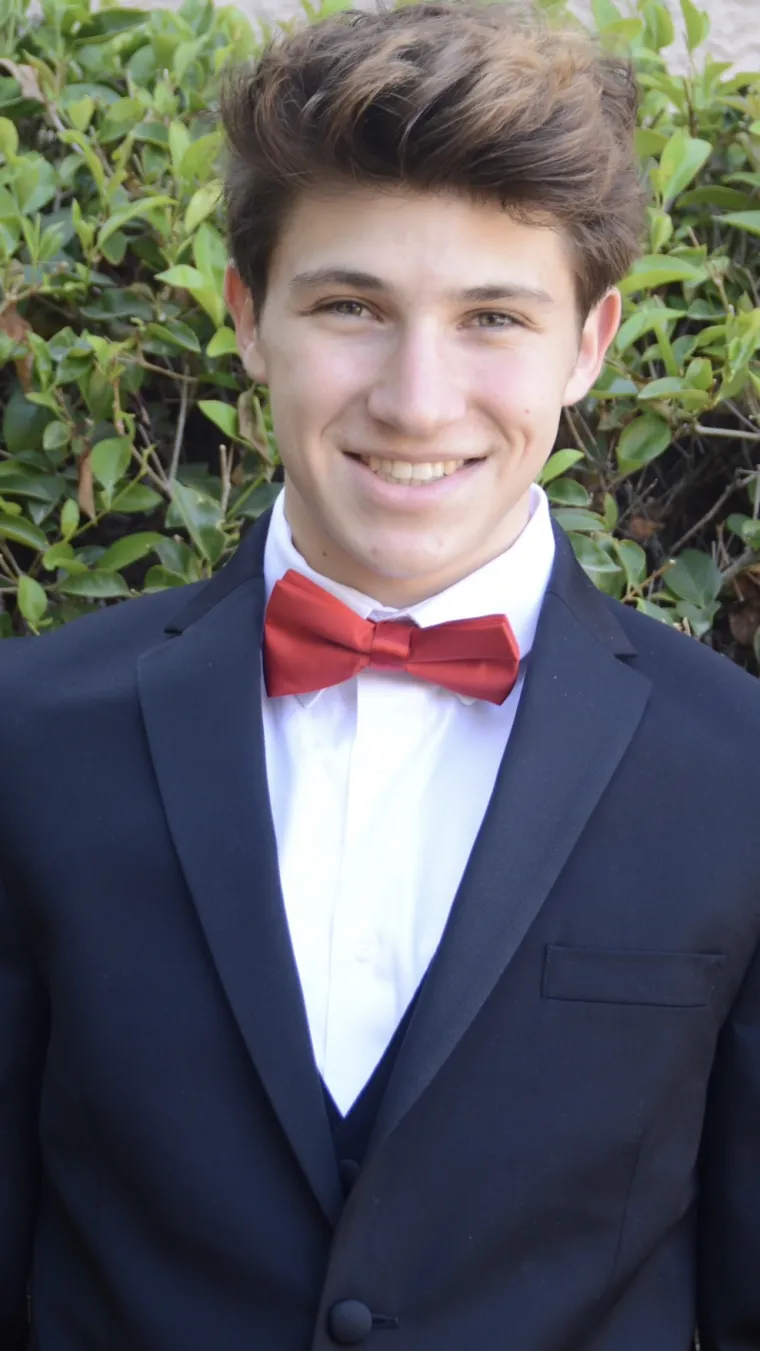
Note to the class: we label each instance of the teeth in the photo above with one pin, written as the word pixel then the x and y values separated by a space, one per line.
pixel 402 471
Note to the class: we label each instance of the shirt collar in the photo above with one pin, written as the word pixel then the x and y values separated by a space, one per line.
pixel 512 584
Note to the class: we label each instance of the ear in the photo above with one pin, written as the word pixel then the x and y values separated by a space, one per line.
pixel 240 305
pixel 598 332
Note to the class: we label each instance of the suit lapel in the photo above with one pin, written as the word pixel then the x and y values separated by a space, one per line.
pixel 200 695
pixel 579 708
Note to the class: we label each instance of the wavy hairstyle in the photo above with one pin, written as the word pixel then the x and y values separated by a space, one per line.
pixel 489 100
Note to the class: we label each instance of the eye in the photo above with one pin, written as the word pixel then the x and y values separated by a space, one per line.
pixel 333 307
pixel 507 320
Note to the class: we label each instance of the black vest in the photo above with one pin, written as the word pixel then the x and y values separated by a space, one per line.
pixel 351 1133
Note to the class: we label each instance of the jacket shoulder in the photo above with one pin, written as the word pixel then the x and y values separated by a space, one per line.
pixel 699 680
pixel 100 644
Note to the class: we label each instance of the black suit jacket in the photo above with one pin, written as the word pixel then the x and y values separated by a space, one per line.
pixel 567 1157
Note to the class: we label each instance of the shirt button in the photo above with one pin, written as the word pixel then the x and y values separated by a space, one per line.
pixel 349 1322
pixel 365 949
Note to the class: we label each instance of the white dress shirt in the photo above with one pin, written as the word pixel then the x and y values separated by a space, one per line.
pixel 378 788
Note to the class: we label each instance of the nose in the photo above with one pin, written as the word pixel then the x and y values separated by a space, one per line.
pixel 419 390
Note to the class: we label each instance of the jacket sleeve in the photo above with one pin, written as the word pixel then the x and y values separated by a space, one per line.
pixel 729 1211
pixel 23 1037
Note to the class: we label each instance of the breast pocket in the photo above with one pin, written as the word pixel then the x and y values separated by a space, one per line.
pixel 615 976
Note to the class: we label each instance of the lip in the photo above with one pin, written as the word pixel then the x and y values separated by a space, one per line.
pixel 408 495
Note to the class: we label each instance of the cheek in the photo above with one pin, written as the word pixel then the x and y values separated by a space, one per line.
pixel 320 383
pixel 524 392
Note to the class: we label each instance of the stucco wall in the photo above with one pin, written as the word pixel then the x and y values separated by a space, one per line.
pixel 734 31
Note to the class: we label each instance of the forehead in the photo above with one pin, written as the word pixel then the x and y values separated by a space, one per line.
pixel 424 244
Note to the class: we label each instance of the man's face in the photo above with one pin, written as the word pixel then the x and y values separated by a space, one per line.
pixel 424 330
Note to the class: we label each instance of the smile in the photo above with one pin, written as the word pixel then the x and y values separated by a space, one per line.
pixel 409 473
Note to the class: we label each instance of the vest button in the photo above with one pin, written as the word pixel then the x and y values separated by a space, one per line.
pixel 349 1322
pixel 349 1171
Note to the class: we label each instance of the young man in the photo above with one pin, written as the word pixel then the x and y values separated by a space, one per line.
pixel 383 967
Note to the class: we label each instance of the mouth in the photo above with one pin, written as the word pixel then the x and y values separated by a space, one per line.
pixel 411 474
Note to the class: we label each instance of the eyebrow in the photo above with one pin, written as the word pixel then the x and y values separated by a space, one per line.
pixel 365 281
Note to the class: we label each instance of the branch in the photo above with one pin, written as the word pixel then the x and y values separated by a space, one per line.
pixel 727 432
pixel 741 564
pixel 184 398
pixel 708 516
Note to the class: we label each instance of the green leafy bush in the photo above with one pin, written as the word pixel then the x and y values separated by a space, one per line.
pixel 133 448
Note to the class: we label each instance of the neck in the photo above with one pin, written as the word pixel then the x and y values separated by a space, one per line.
pixel 329 560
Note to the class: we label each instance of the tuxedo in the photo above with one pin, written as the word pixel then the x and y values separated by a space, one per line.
pixel 378 785
pixel 565 1152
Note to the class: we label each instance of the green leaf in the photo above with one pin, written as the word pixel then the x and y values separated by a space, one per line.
pixel 177 556
pixel 660 229
pixel 223 343
pixel 605 13
pixel 648 142
pixel 668 387
pixel 23 423
pixel 680 162
pixel 8 138
pixel 567 492
pixel 585 522
pixel 69 518
pixel 80 112
pixel 699 373
pixel 697 24
pixel 17 481
pixel 122 115
pixel 21 531
pixel 655 609
pixel 160 579
pixel 201 205
pixel 746 527
pixel 595 560
pixel 115 247
pixel 212 302
pixel 199 158
pixel 182 274
pixel 659 25
pixel 95 586
pixel 140 210
pixel 655 270
pixel 253 500
pixel 713 194
pixel 224 415
pixel 128 550
pixel 109 461
pixel 634 561
pixel 176 334
pixel 695 577
pixel 60 555
pixel 642 441
pixel 645 319
pixel 32 600
pixel 557 464
pixel 210 255
pixel 201 516
pixel 135 498
pixel 179 143
pixel 55 435
pixel 77 138
pixel 744 220
pixel 700 617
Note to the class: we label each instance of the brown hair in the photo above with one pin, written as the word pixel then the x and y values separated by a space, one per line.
pixel 485 99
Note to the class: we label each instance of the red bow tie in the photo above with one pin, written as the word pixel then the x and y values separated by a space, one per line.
pixel 312 641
